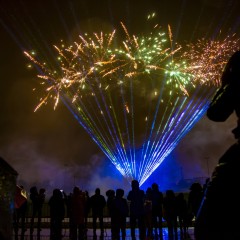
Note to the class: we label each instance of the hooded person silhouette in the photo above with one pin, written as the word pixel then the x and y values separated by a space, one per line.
pixel 218 216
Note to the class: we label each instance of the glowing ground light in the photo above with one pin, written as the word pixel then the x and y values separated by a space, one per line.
pixel 138 99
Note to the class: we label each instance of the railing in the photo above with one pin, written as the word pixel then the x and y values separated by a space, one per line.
pixel 46 211
pixel 45 226
pixel 45 219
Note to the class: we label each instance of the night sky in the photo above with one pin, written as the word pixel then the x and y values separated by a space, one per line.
pixel 48 148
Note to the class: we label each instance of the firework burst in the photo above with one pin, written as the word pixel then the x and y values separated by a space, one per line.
pixel 137 98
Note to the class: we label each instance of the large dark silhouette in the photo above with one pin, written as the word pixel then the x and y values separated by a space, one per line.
pixel 136 196
pixel 218 217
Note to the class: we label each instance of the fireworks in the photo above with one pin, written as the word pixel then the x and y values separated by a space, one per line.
pixel 139 97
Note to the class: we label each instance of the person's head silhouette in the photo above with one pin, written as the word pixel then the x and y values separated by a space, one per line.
pixel 227 99
pixel 97 191
pixel 135 185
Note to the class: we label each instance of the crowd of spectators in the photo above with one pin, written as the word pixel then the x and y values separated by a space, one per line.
pixel 147 210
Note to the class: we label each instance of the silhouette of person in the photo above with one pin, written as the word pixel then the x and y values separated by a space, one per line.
pixel 35 205
pixel 170 213
pixel 38 199
pixel 119 214
pixel 136 196
pixel 20 210
pixel 68 202
pixel 41 200
pixel 57 213
pixel 110 197
pixel 97 202
pixel 194 200
pixel 148 212
pixel 87 210
pixel 157 201
pixel 218 217
pixel 182 211
pixel 77 206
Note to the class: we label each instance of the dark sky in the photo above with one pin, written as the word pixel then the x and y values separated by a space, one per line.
pixel 49 147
